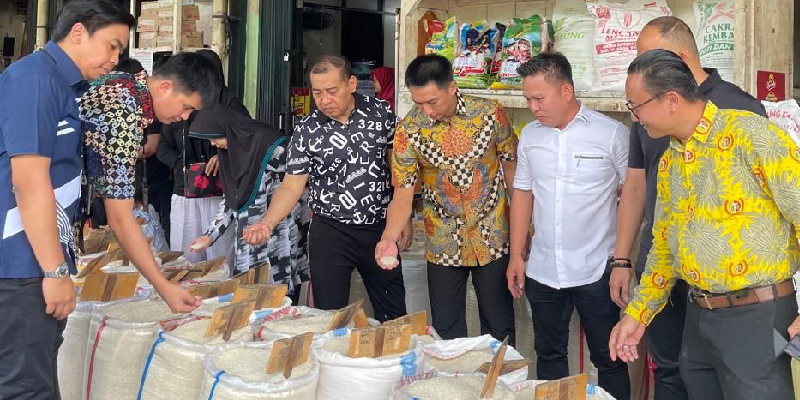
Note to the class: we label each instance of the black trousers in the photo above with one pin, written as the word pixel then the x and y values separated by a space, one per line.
pixel 335 249
pixel 730 353
pixel 448 293
pixel 664 337
pixel 552 311
pixel 29 342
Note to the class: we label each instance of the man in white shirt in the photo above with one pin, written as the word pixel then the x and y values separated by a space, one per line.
pixel 571 160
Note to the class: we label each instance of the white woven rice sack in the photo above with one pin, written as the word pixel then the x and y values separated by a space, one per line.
pixel 120 336
pixel 174 367
pixel 209 305
pixel 465 355
pixel 238 372
pixel 292 321
pixel 343 377
pixel 72 353
pixel 785 114
pixel 527 390
pixel 714 35
pixel 435 385
pixel 574 38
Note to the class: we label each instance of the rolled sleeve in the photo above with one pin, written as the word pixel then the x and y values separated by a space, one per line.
pixel 506 140
pixel 405 165
pixel 112 138
pixel 522 176
pixel 298 159
pixel 30 115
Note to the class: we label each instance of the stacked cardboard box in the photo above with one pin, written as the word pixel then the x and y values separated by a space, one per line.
pixel 156 25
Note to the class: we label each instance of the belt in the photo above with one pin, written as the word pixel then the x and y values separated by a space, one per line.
pixel 741 297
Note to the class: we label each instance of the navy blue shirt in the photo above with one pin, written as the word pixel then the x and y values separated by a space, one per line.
pixel 39 116
pixel 645 152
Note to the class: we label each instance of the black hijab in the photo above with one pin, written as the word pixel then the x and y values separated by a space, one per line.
pixel 250 147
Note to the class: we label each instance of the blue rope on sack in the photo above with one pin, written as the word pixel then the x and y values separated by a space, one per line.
pixel 158 341
pixel 214 386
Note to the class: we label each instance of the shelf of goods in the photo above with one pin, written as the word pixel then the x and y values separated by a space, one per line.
pixel 762 41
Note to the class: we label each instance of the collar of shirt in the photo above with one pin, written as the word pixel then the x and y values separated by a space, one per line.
pixel 702 132
pixel 360 102
pixel 461 107
pixel 66 65
pixel 711 81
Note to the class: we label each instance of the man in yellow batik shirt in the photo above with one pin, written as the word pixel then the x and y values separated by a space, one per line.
pixel 456 144
pixel 728 198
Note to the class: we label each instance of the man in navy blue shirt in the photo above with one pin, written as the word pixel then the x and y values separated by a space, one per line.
pixel 40 179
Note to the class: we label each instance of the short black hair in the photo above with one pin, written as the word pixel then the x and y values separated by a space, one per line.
pixel 92 14
pixel 664 71
pixel 554 66
pixel 324 63
pixel 429 68
pixel 192 73
pixel 129 65
pixel 675 31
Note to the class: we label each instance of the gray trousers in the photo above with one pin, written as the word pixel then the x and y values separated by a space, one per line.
pixel 730 353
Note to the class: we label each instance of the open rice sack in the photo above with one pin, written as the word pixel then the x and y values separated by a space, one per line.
pixel 344 377
pixel 523 39
pixel 617 28
pixel 466 355
pixel 527 390
pixel 72 353
pixel 208 306
pixel 238 371
pixel 292 321
pixel 173 368
pixel 120 336
pixel 436 385
pixel 473 61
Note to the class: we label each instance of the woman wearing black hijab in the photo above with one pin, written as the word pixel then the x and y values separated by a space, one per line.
pixel 252 161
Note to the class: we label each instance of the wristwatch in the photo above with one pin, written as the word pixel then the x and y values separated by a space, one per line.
pixel 60 272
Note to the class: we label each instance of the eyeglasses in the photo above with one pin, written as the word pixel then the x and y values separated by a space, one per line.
pixel 633 109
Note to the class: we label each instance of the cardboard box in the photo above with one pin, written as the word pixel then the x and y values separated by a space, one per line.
pixel 166 28
pixel 192 39
pixel 147 25
pixel 147 39
pixel 150 5
pixel 188 26
pixel 164 41
pixel 190 13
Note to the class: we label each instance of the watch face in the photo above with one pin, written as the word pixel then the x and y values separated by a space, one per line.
pixel 62 270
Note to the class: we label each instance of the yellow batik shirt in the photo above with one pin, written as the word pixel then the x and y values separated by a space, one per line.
pixel 466 200
pixel 727 202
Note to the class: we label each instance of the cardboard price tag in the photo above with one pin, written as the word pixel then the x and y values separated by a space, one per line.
pixel 255 276
pixel 99 262
pixel 97 240
pixel 209 290
pixel 571 387
pixel 169 256
pixel 200 270
pixel 289 353
pixel 344 316
pixel 418 321
pixel 494 371
pixel 507 367
pixel 101 286
pixel 265 296
pixel 229 318
pixel 383 340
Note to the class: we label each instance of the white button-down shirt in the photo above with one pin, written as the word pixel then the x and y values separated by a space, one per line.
pixel 574 174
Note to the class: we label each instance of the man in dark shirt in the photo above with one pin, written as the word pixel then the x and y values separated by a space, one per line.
pixel 664 335
pixel 340 150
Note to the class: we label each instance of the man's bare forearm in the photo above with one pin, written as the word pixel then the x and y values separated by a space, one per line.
pixel 132 240
pixel 521 212
pixel 630 212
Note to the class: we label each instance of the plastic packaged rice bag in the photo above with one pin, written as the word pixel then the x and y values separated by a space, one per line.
pixel 522 40
pixel 617 28
pixel 714 35
pixel 785 114
pixel 574 38
pixel 473 62
pixel 444 43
